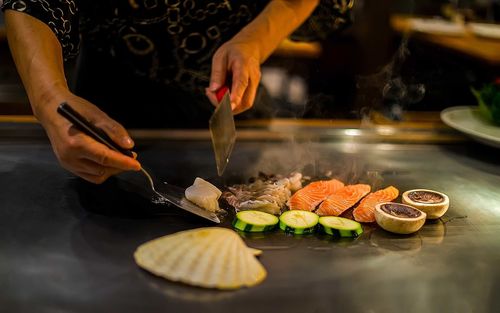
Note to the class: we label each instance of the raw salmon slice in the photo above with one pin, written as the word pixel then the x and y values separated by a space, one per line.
pixel 343 199
pixel 313 194
pixel 365 211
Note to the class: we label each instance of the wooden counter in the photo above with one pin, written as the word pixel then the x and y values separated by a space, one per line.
pixel 483 49
pixel 418 127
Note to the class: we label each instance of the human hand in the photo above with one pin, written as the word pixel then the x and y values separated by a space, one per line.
pixel 241 61
pixel 81 154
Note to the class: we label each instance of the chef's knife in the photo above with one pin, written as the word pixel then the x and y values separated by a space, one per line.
pixel 170 193
pixel 222 130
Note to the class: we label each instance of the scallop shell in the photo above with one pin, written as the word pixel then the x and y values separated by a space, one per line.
pixel 211 257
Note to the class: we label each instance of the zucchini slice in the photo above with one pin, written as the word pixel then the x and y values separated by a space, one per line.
pixel 255 221
pixel 298 222
pixel 340 227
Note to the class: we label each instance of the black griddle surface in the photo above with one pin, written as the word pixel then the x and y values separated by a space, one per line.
pixel 67 246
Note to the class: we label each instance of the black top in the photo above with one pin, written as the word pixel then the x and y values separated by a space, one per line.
pixel 156 44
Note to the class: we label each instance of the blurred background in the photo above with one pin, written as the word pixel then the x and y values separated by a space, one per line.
pixel 397 56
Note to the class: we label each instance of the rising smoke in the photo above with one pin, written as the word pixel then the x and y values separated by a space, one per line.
pixel 386 90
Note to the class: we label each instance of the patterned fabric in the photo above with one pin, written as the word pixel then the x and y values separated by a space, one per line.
pixel 61 16
pixel 329 17
pixel 166 41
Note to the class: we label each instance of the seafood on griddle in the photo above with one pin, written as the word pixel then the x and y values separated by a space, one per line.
pixel 365 211
pixel 265 193
pixel 204 194
pixel 343 199
pixel 309 197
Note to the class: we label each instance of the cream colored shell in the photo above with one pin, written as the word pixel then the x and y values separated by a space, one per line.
pixel 211 257
pixel 433 210
pixel 398 225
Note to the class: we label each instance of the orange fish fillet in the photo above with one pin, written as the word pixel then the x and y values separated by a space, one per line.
pixel 343 199
pixel 365 211
pixel 310 196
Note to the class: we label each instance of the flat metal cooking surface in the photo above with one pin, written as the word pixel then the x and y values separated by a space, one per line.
pixel 66 246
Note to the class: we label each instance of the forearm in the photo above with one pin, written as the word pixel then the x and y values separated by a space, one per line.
pixel 278 20
pixel 39 61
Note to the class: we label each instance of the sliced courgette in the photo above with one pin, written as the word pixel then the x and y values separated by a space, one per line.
pixel 340 227
pixel 298 222
pixel 255 221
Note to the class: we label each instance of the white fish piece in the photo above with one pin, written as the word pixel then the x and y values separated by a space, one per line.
pixel 295 182
pixel 204 194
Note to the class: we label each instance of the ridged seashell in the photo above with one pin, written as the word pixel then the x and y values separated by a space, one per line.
pixel 211 257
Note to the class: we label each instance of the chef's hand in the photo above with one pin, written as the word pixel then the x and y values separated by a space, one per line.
pixel 240 60
pixel 81 154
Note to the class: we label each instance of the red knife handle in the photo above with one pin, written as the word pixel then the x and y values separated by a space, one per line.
pixel 221 92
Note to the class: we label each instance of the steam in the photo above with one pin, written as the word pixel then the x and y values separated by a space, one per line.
pixel 386 90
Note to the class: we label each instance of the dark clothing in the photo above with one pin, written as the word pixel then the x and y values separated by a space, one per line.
pixel 166 43
pixel 136 102
pixel 152 56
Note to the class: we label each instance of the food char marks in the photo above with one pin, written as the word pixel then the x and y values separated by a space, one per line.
pixel 310 196
pixel 343 199
pixel 365 211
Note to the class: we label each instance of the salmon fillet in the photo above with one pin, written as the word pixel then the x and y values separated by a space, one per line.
pixel 313 194
pixel 365 211
pixel 343 199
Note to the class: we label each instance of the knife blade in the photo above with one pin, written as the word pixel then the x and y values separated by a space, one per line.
pixel 222 130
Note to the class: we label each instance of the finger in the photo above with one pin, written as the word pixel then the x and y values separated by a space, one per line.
pixel 240 83
pixel 95 179
pixel 248 98
pixel 89 167
pixel 98 179
pixel 83 146
pixel 219 70
pixel 115 131
pixel 92 168
pixel 102 155
pixel 212 97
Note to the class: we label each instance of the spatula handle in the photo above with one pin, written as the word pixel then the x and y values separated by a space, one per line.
pixel 83 125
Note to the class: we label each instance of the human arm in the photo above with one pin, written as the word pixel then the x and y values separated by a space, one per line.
pixel 248 49
pixel 39 60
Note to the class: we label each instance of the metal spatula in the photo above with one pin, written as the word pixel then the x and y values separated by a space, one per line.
pixel 171 193
pixel 222 130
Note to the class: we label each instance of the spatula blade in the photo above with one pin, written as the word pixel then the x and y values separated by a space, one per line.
pixel 223 133
pixel 175 195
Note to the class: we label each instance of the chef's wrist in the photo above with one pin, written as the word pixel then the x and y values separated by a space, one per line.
pixel 252 45
pixel 46 99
